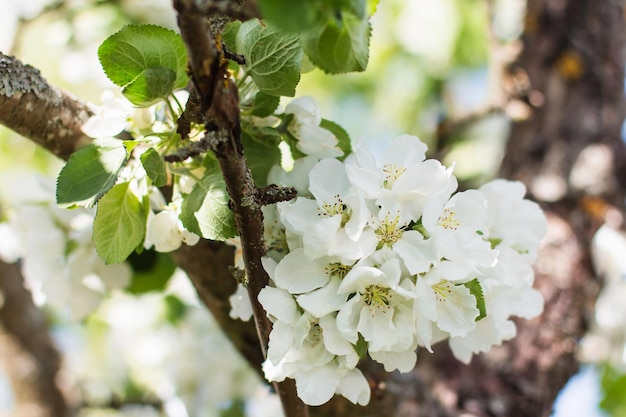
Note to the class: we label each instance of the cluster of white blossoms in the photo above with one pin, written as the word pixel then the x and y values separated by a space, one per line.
pixel 377 257
pixel 58 258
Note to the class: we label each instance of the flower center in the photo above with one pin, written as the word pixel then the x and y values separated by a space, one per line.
pixel 442 290
pixel 315 334
pixel 377 297
pixel 389 231
pixel 448 220
pixel 275 237
pixel 337 269
pixel 334 207
pixel 392 173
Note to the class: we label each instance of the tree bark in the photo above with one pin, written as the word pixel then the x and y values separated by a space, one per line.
pixel 29 356
pixel 569 153
pixel 33 108
pixel 570 74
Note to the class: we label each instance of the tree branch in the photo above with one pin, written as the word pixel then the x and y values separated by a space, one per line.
pixel 42 113
pixel 29 356
pixel 220 106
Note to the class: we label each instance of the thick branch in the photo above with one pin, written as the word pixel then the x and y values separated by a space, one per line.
pixel 220 104
pixel 30 358
pixel 35 109
pixel 207 265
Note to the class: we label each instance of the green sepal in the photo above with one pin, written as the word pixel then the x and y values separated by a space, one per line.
pixel 361 347
pixel 477 291
pixel 90 172
pixel 120 224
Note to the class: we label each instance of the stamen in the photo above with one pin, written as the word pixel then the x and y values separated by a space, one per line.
pixel 442 290
pixel 448 220
pixel 388 231
pixel 392 173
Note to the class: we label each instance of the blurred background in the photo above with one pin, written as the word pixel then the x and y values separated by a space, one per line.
pixel 148 347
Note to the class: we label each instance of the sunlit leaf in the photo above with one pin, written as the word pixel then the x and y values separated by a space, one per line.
pixel 90 172
pixel 120 224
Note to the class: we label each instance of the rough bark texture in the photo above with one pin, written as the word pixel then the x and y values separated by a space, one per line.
pixel 28 355
pixel 35 109
pixel 569 150
pixel 219 104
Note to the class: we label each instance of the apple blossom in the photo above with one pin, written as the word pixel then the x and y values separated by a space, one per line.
pixel 378 257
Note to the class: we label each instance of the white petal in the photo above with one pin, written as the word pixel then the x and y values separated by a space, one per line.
pixel 416 252
pixel 355 387
pixel 457 314
pixel 323 301
pixel 305 109
pixel 335 343
pixel 317 386
pixel 347 319
pixel 328 179
pixel 403 361
pixel 297 273
pixel 279 304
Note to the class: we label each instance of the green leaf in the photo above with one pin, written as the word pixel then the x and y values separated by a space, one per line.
pixel 154 166
pixel 361 347
pixel 90 173
pixel 264 104
pixel 341 45
pixel 205 210
pixel 261 150
pixel 120 224
pixel 340 133
pixel 151 271
pixel 126 55
pixel 151 86
pixel 292 16
pixel 273 59
pixel 477 291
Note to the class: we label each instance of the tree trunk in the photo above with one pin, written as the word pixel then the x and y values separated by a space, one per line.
pixel 570 75
pixel 570 155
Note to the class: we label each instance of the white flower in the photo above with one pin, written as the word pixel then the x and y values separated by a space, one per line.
pixel 398 178
pixel 109 119
pixel 377 307
pixel 456 229
pixel 445 302
pixel 514 221
pixel 330 225
pixel 388 232
pixel 306 111
pixel 166 232
pixel 313 140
